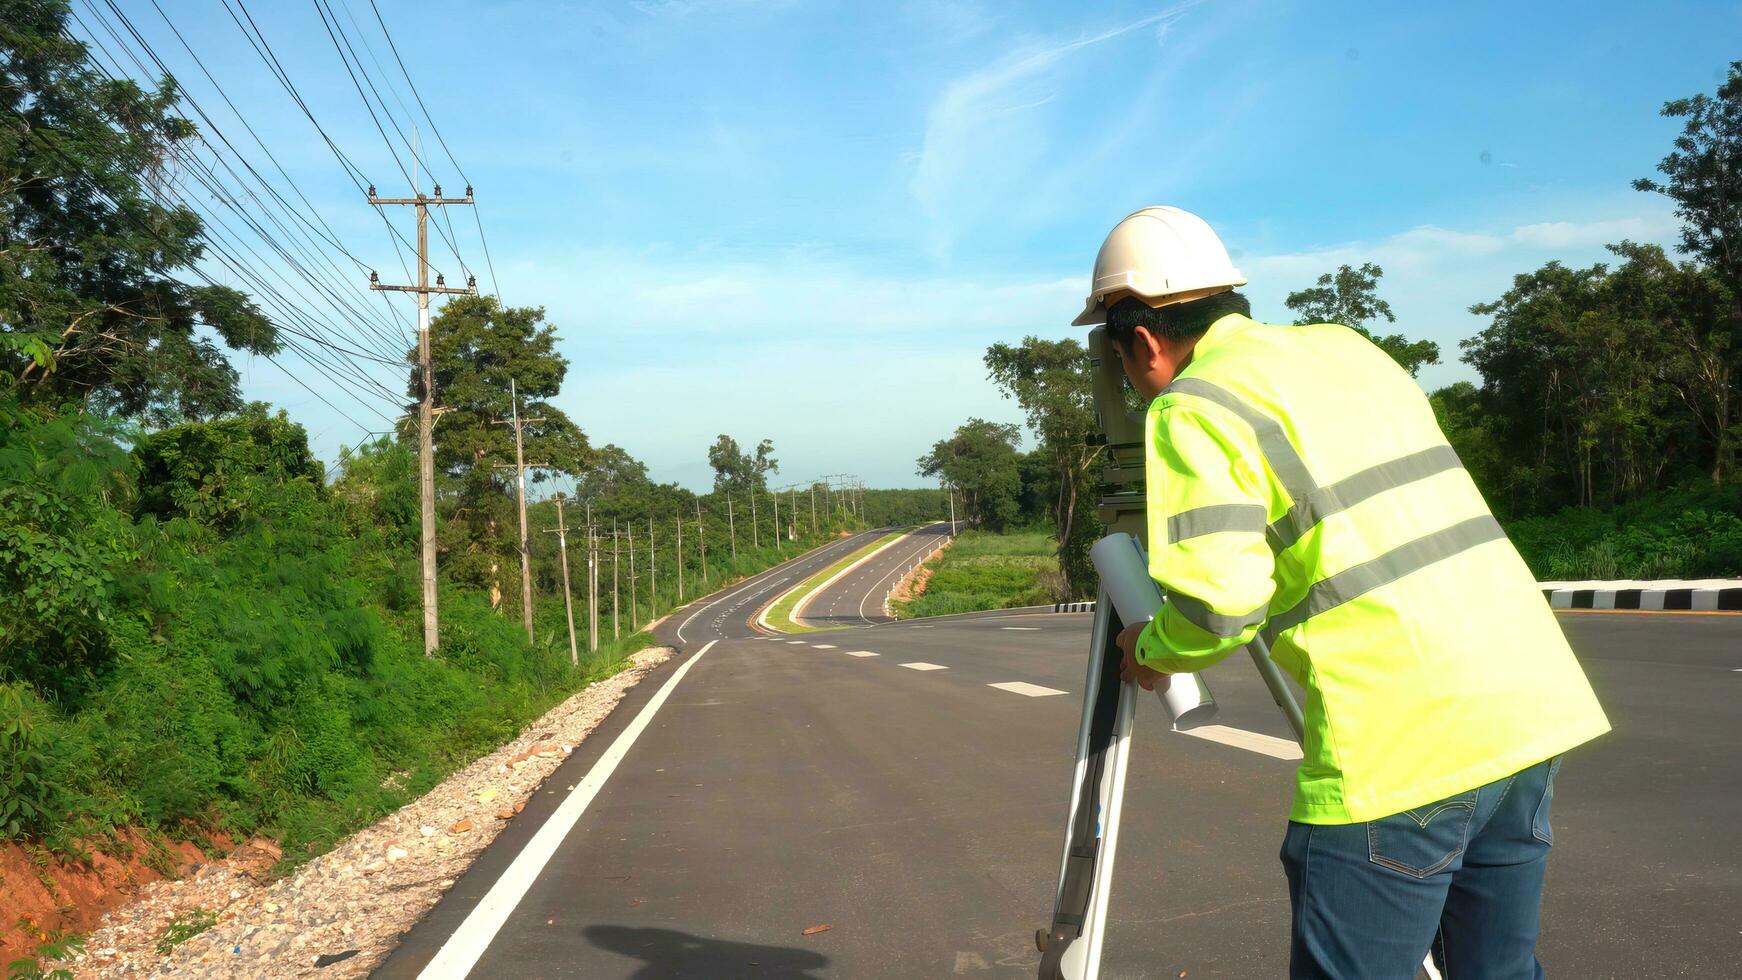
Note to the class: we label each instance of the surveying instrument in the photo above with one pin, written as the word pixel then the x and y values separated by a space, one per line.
pixel 1071 948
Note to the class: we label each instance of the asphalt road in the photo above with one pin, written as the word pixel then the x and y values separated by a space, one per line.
pixel 856 598
pixel 918 810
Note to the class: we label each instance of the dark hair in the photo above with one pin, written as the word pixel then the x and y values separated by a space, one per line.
pixel 1181 321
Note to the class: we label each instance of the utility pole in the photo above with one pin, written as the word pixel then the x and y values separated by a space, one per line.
pixel 702 541
pixel 562 537
pixel 731 529
pixel 616 629
pixel 755 539
pixel 775 527
pixel 519 468
pixel 426 410
pixel 791 512
pixel 679 551
pixel 592 582
pixel 813 510
pixel 952 492
pixel 631 533
pixel 652 582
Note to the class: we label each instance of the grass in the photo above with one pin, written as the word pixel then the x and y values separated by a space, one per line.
pixel 982 570
pixel 780 614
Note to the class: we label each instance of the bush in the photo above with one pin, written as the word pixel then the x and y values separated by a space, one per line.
pixel 1690 532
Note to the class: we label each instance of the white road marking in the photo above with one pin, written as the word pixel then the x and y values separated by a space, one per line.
pixel 795 642
pixel 460 953
pixel 860 653
pixel 1026 689
pixel 823 646
pixel 922 665
pixel 1019 627
pixel 1276 748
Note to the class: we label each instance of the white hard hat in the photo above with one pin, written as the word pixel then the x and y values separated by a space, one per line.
pixel 1159 253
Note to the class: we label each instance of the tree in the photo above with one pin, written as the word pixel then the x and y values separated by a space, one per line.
pixel 1351 297
pixel 1050 380
pixel 89 249
pixel 980 460
pixel 736 471
pixel 1704 178
pixel 476 349
pixel 1579 366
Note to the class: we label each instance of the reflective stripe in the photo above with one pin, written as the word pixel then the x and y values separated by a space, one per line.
pixel 1216 624
pixel 1278 451
pixel 1215 518
pixel 1351 583
pixel 1340 496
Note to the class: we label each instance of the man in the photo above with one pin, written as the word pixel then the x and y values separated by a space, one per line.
pixel 1299 488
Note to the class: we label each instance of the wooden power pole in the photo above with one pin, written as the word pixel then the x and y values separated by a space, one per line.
pixel 678 549
pixel 520 493
pixel 426 410
pixel 731 529
pixel 562 536
pixel 616 627
pixel 702 541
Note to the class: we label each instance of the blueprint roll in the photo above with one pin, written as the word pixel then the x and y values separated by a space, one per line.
pixel 1124 575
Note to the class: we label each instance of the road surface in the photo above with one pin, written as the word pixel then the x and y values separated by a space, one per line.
pixel 905 785
pixel 856 598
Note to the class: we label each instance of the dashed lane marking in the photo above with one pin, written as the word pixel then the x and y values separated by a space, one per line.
pixel 795 643
pixel 922 665
pixel 1276 748
pixel 1026 689
pixel 860 653
pixel 1019 627
pixel 823 646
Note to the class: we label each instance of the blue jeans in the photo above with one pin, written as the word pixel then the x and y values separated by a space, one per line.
pixel 1462 876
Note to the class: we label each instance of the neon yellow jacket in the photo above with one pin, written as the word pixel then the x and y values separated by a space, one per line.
pixel 1299 484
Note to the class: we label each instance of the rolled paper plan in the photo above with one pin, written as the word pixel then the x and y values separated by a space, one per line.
pixel 1124 572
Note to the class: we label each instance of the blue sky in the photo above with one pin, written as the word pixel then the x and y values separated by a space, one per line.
pixel 806 221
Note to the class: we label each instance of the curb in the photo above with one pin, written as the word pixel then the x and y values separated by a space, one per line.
pixel 1645 596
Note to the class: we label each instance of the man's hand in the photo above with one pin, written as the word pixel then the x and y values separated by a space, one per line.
pixel 1132 671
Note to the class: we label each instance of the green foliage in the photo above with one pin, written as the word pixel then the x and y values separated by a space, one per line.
pixel 184 927
pixel 891 508
pixel 982 570
pixel 1350 297
pixel 92 305
pixel 1689 532
pixel 54 946
pixel 737 471
pixel 1050 380
pixel 981 462
pixel 216 472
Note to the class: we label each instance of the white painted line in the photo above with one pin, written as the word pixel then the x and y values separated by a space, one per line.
pixel 823 646
pixel 1026 689
pixel 860 653
pixel 460 953
pixel 1276 748
pixel 922 665
pixel 795 643
pixel 1019 627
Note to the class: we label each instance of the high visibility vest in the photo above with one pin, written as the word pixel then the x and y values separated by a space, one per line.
pixel 1299 485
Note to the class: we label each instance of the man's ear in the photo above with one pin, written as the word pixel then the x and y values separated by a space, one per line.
pixel 1145 347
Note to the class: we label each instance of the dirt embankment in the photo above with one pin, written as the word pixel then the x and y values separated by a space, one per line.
pixel 43 893
pixel 912 585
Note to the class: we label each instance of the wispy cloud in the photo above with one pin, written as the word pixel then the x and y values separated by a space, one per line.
pixel 979 136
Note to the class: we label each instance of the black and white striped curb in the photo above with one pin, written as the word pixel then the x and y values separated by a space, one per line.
pixel 1671 596
pixel 1719 596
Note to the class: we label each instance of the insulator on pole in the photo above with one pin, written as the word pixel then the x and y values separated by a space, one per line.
pixel 373 278
pixel 440 281
pixel 438 190
pixel 371 190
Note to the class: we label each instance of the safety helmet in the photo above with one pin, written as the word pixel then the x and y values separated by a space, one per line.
pixel 1161 254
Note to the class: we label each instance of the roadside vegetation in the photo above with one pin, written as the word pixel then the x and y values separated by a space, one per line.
pixel 208 632
pixel 780 614
pixel 986 570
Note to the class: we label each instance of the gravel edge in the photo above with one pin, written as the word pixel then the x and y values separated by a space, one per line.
pixel 356 900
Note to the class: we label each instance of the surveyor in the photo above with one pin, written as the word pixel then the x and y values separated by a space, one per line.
pixel 1299 488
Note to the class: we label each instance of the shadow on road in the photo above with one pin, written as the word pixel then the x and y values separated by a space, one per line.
pixel 670 954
